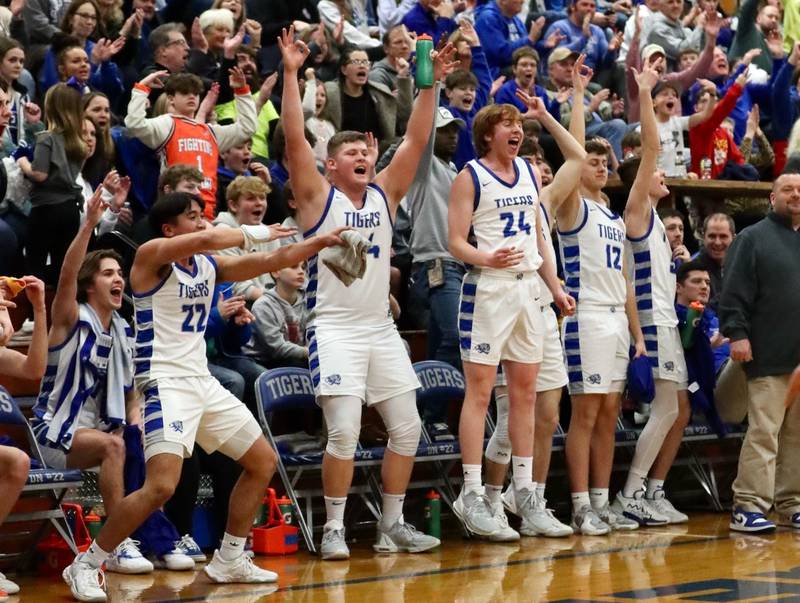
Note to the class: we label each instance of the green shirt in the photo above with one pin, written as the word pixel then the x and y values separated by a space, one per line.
pixel 267 114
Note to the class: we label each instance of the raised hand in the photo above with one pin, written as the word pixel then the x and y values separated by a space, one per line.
pixel 537 27
pixel 617 106
pixel 536 109
pixel 208 103
pixel 496 85
pixel 372 147
pixel 750 55
pixel 338 32
pixel 261 171
pixel 615 42
pixel 268 85
pixel 253 29
pixel 774 41
pixel 505 257
pixel 554 39
pixel 16 7
pixel 154 79
pixel 468 33
pixel 237 78
pixel 442 63
pixel 586 26
pixel 199 41
pixel 34 291
pixel 403 67
pixel 598 98
pixel 648 77
pixel 111 182
pixel 563 94
pixel 753 120
pixel 133 24
pixel 712 25
pixel 33 114
pixel 233 42
pixel 95 207
pixel 581 75
pixel 294 52
pixel 794 57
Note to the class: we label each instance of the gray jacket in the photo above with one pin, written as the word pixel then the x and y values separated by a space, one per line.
pixel 384 73
pixel 673 36
pixel 427 200
pixel 270 341
pixel 393 111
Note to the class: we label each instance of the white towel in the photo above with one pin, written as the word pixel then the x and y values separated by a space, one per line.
pixel 348 262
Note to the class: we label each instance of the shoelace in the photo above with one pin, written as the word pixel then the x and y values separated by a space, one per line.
pixel 129 546
pixel 186 544
pixel 99 576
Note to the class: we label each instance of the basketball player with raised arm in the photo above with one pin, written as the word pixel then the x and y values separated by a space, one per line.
pixel 356 355
pixel 552 375
pixel 173 286
pixel 650 257
pixel 500 315
pixel 596 338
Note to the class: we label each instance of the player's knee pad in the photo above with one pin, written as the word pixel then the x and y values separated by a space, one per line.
pixel 499 448
pixel 402 423
pixel 343 418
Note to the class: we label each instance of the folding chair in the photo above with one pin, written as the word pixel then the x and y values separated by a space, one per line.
pixel 40 501
pixel 291 389
pixel 439 381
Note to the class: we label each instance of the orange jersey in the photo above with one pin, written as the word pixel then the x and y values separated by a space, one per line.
pixel 193 143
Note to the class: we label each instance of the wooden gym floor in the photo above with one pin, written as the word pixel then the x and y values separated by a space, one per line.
pixel 698 561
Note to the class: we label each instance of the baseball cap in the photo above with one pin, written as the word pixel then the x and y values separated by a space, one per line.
pixel 561 53
pixel 663 85
pixel 652 49
pixel 444 117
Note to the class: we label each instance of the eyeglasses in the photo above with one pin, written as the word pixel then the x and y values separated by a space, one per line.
pixel 180 42
pixel 364 62
pixel 87 16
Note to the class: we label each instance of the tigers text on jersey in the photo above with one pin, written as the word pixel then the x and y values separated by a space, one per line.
pixel 193 143
pixel 505 214
pixel 650 260
pixel 365 301
pixel 592 254
pixel 171 322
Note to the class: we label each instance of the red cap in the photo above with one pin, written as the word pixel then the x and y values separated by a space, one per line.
pixel 696 305
pixel 433 494
pixel 424 36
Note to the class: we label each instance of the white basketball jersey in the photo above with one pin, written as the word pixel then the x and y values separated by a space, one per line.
pixel 546 298
pixel 592 255
pixel 171 322
pixel 650 259
pixel 504 214
pixel 366 300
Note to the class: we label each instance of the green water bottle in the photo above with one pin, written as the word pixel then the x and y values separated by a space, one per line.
pixel 693 314
pixel 433 514
pixel 424 74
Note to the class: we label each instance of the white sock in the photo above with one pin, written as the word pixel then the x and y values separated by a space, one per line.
pixel 94 556
pixel 634 483
pixel 392 509
pixel 653 486
pixel 472 478
pixel 232 547
pixel 493 493
pixel 580 500
pixel 522 472
pixel 334 511
pixel 540 490
pixel 599 497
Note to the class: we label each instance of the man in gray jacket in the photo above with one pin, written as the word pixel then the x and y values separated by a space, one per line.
pixel 667 31
pixel 436 275
pixel 757 308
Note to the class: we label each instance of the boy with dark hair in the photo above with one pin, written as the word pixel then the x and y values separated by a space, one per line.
pixel 181 139
pixel 467 93
pixel 173 286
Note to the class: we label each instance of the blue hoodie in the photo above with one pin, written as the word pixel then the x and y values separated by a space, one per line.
pixel 508 94
pixel 466 149
pixel 501 35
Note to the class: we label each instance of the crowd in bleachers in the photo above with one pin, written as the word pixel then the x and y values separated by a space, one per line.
pixel 132 100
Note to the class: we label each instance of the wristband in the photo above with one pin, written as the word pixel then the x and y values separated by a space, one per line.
pixel 255 234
